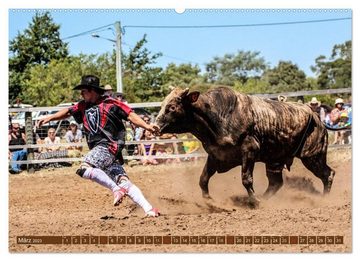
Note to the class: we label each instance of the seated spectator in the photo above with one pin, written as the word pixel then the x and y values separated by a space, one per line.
pixel 335 117
pixel 336 112
pixel 53 151
pixel 16 138
pixel 139 132
pixel 169 148
pixel 147 149
pixel 315 107
pixel 190 147
pixel 51 139
pixel 129 149
pixel 345 136
pixel 74 135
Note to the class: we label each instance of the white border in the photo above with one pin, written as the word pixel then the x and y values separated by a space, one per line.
pixel 5 5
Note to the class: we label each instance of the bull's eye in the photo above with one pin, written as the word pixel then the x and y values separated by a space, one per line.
pixel 172 108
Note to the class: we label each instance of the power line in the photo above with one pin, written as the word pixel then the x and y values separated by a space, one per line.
pixel 233 25
pixel 208 26
pixel 204 26
pixel 87 32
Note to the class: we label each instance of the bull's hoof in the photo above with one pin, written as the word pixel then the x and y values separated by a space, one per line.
pixel 206 196
pixel 254 202
pixel 268 194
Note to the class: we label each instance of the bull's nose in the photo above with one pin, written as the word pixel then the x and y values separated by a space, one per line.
pixel 161 126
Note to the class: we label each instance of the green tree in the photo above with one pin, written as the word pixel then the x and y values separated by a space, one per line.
pixel 49 85
pixel 103 66
pixel 37 45
pixel 142 81
pixel 335 71
pixel 252 86
pixel 286 76
pixel 183 75
pixel 235 68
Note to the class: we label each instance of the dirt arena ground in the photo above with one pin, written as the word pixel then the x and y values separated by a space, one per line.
pixel 59 203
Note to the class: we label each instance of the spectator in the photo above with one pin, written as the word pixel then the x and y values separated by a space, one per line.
pixel 108 90
pixel 170 148
pixel 16 138
pixel 190 147
pixel 74 135
pixel 139 132
pixel 130 148
pixel 282 98
pixel 335 117
pixel 335 114
pixel 315 107
pixel 51 152
pixel 120 96
pixel 51 139
pixel 147 149
pixel 9 124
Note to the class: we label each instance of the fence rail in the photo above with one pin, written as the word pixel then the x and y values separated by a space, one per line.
pixel 172 156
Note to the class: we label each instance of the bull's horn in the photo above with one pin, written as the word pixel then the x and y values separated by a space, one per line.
pixel 184 93
pixel 172 87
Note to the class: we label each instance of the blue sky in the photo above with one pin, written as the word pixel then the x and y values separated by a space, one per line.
pixel 299 43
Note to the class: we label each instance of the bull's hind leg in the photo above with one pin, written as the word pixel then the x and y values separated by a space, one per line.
pixel 247 181
pixel 317 165
pixel 274 174
pixel 208 171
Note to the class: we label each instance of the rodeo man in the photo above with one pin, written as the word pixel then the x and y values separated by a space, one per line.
pixel 102 118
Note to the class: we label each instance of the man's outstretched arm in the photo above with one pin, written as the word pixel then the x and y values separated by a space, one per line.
pixel 62 114
pixel 134 118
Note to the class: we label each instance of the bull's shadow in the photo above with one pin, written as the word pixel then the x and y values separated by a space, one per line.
pixel 243 202
pixel 301 184
pixel 294 182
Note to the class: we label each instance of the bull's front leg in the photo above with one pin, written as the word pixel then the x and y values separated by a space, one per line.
pixel 208 171
pixel 247 180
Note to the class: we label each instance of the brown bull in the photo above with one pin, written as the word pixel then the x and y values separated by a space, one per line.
pixel 237 129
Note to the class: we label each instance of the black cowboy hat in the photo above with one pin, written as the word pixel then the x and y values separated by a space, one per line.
pixel 90 82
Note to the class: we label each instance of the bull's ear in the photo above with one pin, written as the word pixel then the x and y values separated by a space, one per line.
pixel 193 96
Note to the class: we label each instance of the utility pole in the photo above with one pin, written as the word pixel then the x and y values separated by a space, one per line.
pixel 119 87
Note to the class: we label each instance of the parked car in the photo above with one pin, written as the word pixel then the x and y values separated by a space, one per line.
pixel 18 117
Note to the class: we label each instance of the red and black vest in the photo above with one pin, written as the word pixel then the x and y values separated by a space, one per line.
pixel 103 122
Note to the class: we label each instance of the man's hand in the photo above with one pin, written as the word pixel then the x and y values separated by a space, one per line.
pixel 153 129
pixel 42 122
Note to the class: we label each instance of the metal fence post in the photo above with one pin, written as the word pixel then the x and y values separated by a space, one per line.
pixel 29 140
